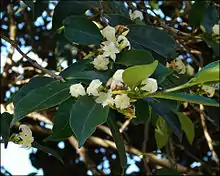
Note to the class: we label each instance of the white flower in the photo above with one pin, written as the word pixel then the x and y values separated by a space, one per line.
pixel 209 90
pixel 93 87
pixel 122 101
pixel 26 136
pixel 105 99
pixel 77 90
pixel 101 63
pixel 216 29
pixel 150 85
pixel 136 14
pixel 110 50
pixel 117 79
pixel 123 42
pixel 109 33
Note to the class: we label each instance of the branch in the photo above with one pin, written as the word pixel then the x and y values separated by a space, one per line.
pixel 150 157
pixel 33 62
pixel 207 136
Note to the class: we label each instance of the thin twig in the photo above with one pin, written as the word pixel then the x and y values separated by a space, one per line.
pixel 127 122
pixel 144 147
pixel 102 17
pixel 33 62
pixel 207 136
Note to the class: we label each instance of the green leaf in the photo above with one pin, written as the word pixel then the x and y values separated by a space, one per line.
pixel 168 172
pixel 165 110
pixel 210 18
pixel 197 13
pixel 118 138
pixel 61 129
pixel 187 126
pixel 209 73
pixel 161 133
pixel 34 83
pixel 41 98
pixel 134 57
pixel 91 75
pixel 85 115
pixel 133 76
pixel 118 7
pixel 141 112
pixel 191 98
pixel 212 44
pixel 75 68
pixel 71 8
pixel 152 38
pixel 161 73
pixel 47 150
pixel 116 19
pixel 6 119
pixel 81 30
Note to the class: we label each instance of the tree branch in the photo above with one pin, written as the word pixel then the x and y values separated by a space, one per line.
pixel 33 62
pixel 207 136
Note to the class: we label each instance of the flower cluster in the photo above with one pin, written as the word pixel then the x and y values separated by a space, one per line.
pixel 114 44
pixel 216 29
pixel 115 93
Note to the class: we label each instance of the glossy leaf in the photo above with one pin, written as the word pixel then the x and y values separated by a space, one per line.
pixel 61 129
pixel 118 7
pixel 161 73
pixel 118 138
pixel 141 112
pixel 116 19
pixel 134 57
pixel 46 149
pixel 41 98
pixel 75 68
pixel 6 119
pixel 133 76
pixel 209 73
pixel 187 126
pixel 211 17
pixel 191 98
pixel 197 13
pixel 161 133
pixel 34 83
pixel 81 30
pixel 163 109
pixel 212 44
pixel 66 8
pixel 152 38
pixel 85 115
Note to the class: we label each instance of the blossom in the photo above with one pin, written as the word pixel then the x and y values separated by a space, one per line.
pixel 117 79
pixel 110 50
pixel 215 29
pixel 93 87
pixel 122 101
pixel 26 136
pixel 150 85
pixel 209 90
pixel 136 14
pixel 123 42
pixel 109 33
pixel 178 65
pixel 77 90
pixel 105 99
pixel 101 62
